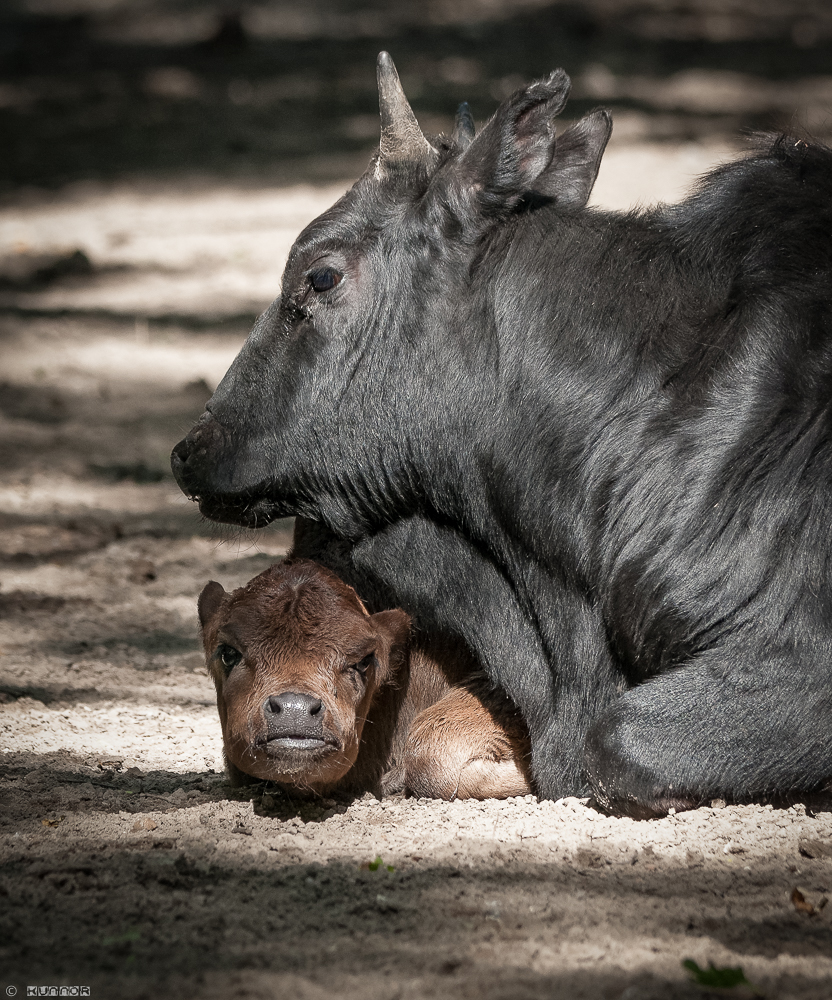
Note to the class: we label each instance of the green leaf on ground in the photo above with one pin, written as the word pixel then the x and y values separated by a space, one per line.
pixel 724 978
pixel 378 863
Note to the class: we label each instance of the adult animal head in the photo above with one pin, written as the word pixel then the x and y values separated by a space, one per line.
pixel 382 341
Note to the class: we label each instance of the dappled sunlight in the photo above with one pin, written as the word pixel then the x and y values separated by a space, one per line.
pixel 160 160
pixel 125 361
pixel 196 251
pixel 492 899
pixel 135 733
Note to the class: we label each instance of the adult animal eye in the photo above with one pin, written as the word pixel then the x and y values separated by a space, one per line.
pixel 324 278
pixel 229 657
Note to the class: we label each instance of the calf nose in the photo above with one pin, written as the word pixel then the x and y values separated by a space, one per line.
pixel 292 703
pixel 292 714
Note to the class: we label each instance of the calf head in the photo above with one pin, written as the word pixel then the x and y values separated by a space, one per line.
pixel 339 402
pixel 297 662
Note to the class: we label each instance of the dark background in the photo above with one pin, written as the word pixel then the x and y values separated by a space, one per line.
pixel 285 91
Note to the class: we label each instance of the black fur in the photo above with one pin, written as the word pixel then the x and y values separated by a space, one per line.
pixel 615 428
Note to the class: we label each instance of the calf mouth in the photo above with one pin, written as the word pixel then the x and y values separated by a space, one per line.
pixel 293 746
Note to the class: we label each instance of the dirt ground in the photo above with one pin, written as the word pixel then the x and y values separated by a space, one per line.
pixel 127 863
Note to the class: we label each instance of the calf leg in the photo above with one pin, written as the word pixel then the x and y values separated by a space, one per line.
pixel 716 728
pixel 463 748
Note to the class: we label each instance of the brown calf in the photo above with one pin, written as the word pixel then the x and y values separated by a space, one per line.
pixel 317 694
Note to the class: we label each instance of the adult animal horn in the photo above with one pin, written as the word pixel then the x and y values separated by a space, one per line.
pixel 401 138
pixel 464 128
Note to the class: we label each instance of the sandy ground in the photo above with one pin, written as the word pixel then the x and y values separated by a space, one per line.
pixel 127 863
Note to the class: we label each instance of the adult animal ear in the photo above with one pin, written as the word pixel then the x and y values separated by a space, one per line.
pixel 515 146
pixel 393 631
pixel 209 601
pixel 570 176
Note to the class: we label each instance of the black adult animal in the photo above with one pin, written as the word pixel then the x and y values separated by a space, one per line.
pixel 618 425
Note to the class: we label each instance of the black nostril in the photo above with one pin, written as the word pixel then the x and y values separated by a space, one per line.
pixel 178 461
pixel 181 450
pixel 205 432
pixel 294 716
pixel 294 703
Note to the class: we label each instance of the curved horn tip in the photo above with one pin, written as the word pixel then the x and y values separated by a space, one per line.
pixel 386 69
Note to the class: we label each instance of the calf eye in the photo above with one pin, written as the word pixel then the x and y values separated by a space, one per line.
pixel 363 665
pixel 324 278
pixel 229 657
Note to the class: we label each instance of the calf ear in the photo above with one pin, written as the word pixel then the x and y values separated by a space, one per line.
pixel 570 176
pixel 393 630
pixel 516 146
pixel 209 601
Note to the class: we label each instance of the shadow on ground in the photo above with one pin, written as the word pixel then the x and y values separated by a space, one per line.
pixel 164 883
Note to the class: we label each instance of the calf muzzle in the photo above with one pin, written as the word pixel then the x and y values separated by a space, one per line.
pixel 295 721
